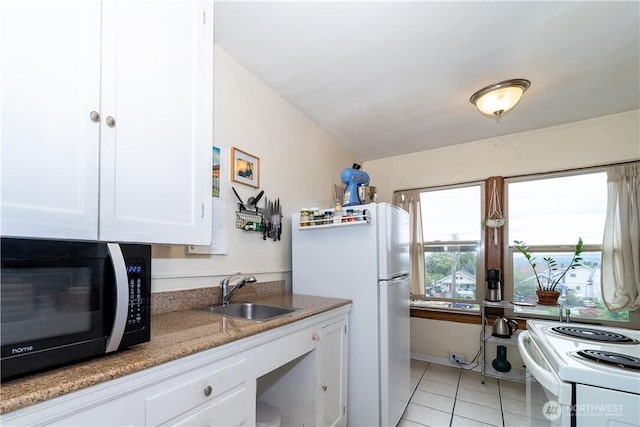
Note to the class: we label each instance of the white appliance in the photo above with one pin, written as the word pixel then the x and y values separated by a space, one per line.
pixel 368 263
pixel 589 375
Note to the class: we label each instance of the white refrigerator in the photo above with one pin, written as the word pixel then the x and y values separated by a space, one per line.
pixel 368 263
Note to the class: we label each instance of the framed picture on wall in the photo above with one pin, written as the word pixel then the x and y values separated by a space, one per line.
pixel 215 172
pixel 245 168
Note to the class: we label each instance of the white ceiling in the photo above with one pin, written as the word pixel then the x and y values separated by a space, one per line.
pixel 389 78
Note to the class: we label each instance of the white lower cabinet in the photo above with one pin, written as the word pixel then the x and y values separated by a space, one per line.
pixel 299 369
pixel 332 374
pixel 311 390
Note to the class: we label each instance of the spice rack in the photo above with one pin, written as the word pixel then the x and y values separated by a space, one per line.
pixel 329 219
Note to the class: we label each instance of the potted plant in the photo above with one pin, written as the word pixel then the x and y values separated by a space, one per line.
pixel 547 294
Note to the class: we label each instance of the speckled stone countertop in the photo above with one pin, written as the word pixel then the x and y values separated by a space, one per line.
pixel 173 335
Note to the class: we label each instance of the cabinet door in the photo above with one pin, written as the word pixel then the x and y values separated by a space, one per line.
pixel 50 56
pixel 332 373
pixel 156 136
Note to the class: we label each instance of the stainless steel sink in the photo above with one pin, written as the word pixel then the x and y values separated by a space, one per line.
pixel 250 311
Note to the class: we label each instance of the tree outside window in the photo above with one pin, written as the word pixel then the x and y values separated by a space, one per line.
pixel 451 223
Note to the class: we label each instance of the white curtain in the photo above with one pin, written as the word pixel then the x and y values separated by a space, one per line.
pixel 620 271
pixel 412 205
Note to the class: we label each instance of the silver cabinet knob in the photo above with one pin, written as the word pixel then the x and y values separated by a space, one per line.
pixel 208 390
pixel 94 116
pixel 111 122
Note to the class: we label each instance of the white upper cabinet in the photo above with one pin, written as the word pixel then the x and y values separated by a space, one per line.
pixel 157 84
pixel 50 79
pixel 140 168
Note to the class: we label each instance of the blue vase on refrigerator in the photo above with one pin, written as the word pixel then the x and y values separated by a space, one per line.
pixel 368 263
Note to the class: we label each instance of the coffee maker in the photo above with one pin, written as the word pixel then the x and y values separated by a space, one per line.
pixel 493 292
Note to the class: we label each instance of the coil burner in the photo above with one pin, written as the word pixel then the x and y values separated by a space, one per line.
pixel 610 358
pixel 590 334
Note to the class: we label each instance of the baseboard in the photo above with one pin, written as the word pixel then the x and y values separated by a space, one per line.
pixel 515 374
pixel 442 361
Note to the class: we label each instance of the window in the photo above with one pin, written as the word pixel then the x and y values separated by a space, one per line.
pixel 550 213
pixel 452 234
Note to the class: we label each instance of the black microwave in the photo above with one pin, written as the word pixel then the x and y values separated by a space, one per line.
pixel 66 301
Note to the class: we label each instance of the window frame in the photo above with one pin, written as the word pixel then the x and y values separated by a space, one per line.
pixel 509 249
pixel 499 256
pixel 480 252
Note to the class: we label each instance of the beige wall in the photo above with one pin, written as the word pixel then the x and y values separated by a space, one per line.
pixel 436 339
pixel 597 141
pixel 592 142
pixel 299 163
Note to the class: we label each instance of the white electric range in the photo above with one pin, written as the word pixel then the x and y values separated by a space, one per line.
pixel 590 374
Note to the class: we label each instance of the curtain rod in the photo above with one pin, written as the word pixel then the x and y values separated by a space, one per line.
pixel 575 169
pixel 456 184
pixel 519 176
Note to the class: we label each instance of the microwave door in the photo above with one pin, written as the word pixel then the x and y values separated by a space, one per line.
pixel 64 301
pixel 122 297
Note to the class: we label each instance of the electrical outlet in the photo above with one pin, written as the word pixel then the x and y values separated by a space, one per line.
pixel 456 358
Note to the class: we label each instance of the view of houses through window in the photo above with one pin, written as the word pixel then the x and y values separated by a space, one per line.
pixel 450 273
pixel 451 224
pixel 550 213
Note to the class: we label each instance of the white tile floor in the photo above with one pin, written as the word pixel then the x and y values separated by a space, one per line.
pixel 449 396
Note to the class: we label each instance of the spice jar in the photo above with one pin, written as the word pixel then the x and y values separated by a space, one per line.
pixel 349 217
pixel 304 217
pixel 314 216
pixel 328 217
pixel 318 218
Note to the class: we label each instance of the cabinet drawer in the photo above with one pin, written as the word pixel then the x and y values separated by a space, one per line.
pixel 234 408
pixel 282 350
pixel 193 389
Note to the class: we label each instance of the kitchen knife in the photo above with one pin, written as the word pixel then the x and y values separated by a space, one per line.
pixel 279 219
pixel 270 216
pixel 275 219
pixel 239 199
pixel 265 216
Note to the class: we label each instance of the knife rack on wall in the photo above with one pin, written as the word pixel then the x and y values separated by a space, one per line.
pixel 249 220
pixel 267 220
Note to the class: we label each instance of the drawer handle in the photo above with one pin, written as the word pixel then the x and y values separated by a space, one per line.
pixel 315 337
pixel 324 388
pixel 208 390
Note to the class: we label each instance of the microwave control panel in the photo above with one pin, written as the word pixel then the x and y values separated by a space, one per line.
pixel 137 283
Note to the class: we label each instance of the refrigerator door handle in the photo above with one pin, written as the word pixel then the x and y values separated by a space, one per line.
pixel 396 279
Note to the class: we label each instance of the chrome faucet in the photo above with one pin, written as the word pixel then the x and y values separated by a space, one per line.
pixel 565 314
pixel 226 294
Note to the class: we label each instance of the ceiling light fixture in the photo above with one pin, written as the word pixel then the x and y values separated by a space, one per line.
pixel 496 99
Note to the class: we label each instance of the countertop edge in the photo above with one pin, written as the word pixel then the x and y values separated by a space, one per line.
pixel 173 338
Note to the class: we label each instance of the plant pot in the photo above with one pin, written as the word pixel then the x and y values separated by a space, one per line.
pixel 548 297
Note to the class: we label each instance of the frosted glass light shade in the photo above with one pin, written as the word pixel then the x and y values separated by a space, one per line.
pixel 497 99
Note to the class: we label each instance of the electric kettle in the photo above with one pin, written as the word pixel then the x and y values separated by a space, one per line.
pixel 504 328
